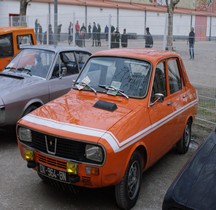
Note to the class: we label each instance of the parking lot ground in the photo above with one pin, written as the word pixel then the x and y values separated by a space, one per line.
pixel 21 188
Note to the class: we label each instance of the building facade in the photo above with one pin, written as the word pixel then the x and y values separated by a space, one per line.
pixel 134 15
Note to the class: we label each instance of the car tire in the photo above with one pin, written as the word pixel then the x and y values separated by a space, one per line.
pixel 30 109
pixel 127 191
pixel 183 144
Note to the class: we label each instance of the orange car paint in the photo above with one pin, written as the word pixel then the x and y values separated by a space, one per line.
pixel 136 124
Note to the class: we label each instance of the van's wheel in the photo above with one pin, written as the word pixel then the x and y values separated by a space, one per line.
pixel 30 109
pixel 183 144
pixel 127 191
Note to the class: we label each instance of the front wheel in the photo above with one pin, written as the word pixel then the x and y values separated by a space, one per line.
pixel 30 109
pixel 183 144
pixel 127 191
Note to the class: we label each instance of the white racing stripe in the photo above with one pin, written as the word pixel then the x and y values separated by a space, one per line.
pixel 106 135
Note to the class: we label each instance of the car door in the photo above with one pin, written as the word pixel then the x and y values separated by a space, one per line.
pixel 163 121
pixel 65 70
pixel 62 75
pixel 178 94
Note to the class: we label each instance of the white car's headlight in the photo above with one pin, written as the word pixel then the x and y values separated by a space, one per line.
pixel 94 153
pixel 2 114
pixel 24 134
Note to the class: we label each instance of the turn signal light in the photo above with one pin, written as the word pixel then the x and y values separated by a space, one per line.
pixel 92 171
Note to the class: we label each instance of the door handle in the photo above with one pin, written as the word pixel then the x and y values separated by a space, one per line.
pixel 169 103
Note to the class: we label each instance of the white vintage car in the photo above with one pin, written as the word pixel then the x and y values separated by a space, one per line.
pixel 35 76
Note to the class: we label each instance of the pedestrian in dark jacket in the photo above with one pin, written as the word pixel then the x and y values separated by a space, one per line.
pixel 98 35
pixel 148 39
pixel 191 40
pixel 124 39
pixel 117 38
pixel 94 34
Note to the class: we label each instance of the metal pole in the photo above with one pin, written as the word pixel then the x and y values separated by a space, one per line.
pixel 55 21
pixel 118 18
pixel 109 32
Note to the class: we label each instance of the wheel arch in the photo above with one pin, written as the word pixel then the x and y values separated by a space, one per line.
pixel 34 102
pixel 142 151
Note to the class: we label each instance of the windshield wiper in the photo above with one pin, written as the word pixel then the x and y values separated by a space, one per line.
pixel 10 68
pixel 83 85
pixel 27 71
pixel 114 89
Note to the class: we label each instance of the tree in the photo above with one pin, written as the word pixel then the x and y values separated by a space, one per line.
pixel 23 8
pixel 170 10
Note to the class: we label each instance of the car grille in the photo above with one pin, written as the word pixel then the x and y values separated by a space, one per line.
pixel 52 162
pixel 65 148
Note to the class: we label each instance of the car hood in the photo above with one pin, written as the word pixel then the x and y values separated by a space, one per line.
pixel 14 82
pixel 85 110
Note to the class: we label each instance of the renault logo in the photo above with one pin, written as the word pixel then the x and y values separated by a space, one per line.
pixel 51 143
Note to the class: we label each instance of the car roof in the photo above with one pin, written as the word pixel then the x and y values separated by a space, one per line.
pixel 9 29
pixel 152 55
pixel 56 48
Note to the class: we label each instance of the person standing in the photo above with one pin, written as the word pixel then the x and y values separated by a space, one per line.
pixel 89 30
pixel 191 40
pixel 36 28
pixel 98 35
pixel 94 34
pixel 106 31
pixel 113 37
pixel 59 31
pixel 148 39
pixel 117 38
pixel 77 30
pixel 70 33
pixel 40 33
pixel 124 39
pixel 82 34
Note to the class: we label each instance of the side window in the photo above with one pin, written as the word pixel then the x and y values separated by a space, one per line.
pixel 24 40
pixel 81 58
pixel 159 84
pixel 175 82
pixel 6 46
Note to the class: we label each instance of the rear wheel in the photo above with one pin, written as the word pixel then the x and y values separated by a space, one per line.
pixel 127 191
pixel 183 144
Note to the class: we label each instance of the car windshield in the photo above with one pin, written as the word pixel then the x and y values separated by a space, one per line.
pixel 35 62
pixel 116 76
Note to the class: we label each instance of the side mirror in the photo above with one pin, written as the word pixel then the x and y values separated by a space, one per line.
pixel 158 97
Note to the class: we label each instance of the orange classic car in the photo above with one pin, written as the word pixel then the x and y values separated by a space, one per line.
pixel 127 108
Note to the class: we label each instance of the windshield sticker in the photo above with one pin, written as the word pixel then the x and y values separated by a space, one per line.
pixel 116 87
pixel 84 82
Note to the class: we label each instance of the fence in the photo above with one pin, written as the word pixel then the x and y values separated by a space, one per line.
pixel 201 71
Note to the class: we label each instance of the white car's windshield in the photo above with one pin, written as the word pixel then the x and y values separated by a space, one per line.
pixel 34 62
pixel 115 76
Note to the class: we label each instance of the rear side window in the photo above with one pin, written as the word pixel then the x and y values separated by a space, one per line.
pixel 24 40
pixel 81 57
pixel 175 82
pixel 6 46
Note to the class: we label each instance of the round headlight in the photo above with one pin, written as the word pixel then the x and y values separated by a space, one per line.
pixel 94 153
pixel 24 134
